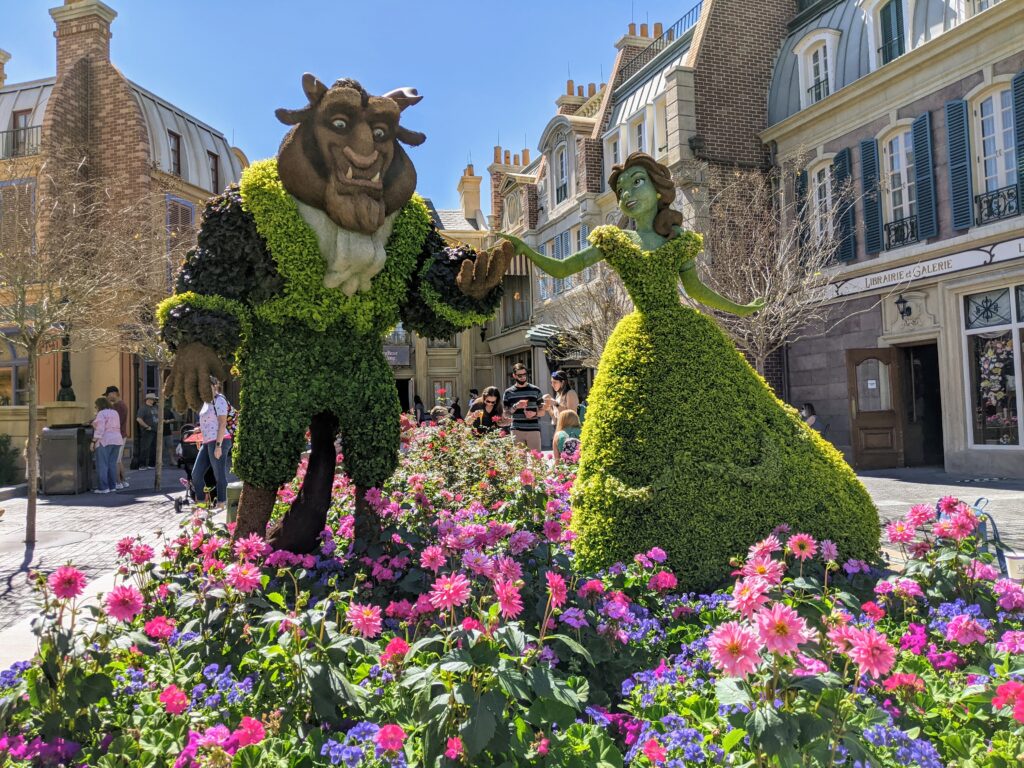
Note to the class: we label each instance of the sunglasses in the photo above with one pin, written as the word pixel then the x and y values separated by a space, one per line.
pixel 490 402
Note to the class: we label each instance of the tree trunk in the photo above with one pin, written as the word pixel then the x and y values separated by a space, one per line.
pixel 32 447
pixel 760 361
pixel 159 447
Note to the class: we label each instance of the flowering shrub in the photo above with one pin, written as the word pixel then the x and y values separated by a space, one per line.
pixel 469 639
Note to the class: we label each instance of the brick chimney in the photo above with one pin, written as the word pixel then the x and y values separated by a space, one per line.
pixel 469 193
pixel 4 58
pixel 83 30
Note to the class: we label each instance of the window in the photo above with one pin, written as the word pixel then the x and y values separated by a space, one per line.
pixel 816 52
pixel 821 210
pixel 819 87
pixel 639 137
pixel 175 143
pixel 977 6
pixel 996 190
pixel 512 211
pixel 561 174
pixel 179 225
pixel 543 281
pixel 899 189
pixel 444 392
pixel 994 334
pixel 17 216
pixel 615 151
pixel 13 375
pixel 214 162
pixel 22 140
pixel 515 305
pixel 890 22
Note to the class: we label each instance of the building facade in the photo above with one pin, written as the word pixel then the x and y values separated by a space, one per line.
pixel 126 132
pixel 918 105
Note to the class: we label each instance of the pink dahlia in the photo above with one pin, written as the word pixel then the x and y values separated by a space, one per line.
pixel 251 547
pixel 365 619
pixel 450 591
pixel 553 530
pixel 141 553
pixel 556 588
pixel 124 546
pixel 245 577
pixel 899 532
pixel 765 547
pixel 829 551
pixel 509 599
pixel 124 603
pixel 920 514
pixel 174 699
pixel 749 595
pixel 871 652
pixel 67 582
pixel 159 628
pixel 433 558
pixel 390 738
pixel 766 568
pixel 802 545
pixel 735 649
pixel 781 628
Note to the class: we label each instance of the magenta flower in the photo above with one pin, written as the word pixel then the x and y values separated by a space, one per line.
pixel 396 647
pixel 174 699
pixel 556 588
pixel 159 628
pixel 899 532
pixel 249 731
pixel 390 738
pixel 654 752
pixel 141 553
pixel 450 591
pixel 871 652
pixel 802 545
pixel 509 599
pixel 124 546
pixel 915 640
pixel 657 554
pixel 662 581
pixel 433 558
pixel 964 630
pixel 781 629
pixel 124 603
pixel 920 514
pixel 365 619
pixel 245 577
pixel 1012 641
pixel 455 750
pixel 553 530
pixel 590 589
pixel 749 595
pixel 735 649
pixel 67 582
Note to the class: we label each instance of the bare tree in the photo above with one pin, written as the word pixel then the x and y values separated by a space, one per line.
pixel 762 240
pixel 588 312
pixel 71 249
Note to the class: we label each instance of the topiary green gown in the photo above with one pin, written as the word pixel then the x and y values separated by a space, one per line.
pixel 685 446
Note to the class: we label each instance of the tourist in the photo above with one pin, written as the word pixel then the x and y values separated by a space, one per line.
pixel 567 435
pixel 419 409
pixel 216 447
pixel 522 402
pixel 439 414
pixel 474 395
pixel 455 410
pixel 107 442
pixel 113 395
pixel 565 398
pixel 808 414
pixel 147 418
pixel 485 414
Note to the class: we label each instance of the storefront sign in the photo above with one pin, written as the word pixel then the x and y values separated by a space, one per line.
pixel 954 262
pixel 396 354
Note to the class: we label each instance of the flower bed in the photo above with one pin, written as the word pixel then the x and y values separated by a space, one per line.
pixel 472 641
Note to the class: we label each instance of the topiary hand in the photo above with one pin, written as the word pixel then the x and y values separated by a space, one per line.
pixel 477 277
pixel 190 377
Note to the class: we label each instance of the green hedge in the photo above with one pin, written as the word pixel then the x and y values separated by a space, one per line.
pixel 685 447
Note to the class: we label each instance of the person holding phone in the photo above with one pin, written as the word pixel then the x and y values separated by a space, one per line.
pixel 522 402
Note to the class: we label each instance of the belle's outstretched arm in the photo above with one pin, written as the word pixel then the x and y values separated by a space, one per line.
pixel 697 291
pixel 560 268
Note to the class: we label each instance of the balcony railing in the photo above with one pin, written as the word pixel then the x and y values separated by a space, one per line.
pixel 900 232
pixel 21 142
pixel 637 63
pixel 818 91
pixel 891 49
pixel 993 206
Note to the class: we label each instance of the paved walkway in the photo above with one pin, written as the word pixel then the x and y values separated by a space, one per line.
pixel 82 529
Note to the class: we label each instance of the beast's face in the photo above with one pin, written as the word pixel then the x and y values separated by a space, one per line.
pixel 343 154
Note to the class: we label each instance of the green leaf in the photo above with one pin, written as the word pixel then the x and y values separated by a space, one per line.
pixel 574 646
pixel 732 738
pixel 731 692
pixel 277 599
pixel 547 686
pixel 514 683
pixel 95 688
pixel 478 729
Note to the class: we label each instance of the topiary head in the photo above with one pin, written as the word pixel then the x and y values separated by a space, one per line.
pixel 645 192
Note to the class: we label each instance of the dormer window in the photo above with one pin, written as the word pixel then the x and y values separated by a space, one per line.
pixel 639 137
pixel 214 161
pixel 512 212
pixel 817 56
pixel 174 140
pixel 887 32
pixel 561 174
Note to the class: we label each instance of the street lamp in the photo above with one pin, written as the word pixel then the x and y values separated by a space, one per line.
pixel 66 394
pixel 904 307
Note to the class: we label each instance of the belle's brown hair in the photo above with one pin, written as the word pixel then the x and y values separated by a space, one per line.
pixel 666 218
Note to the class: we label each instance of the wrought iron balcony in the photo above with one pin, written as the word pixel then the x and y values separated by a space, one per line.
pixel 999 204
pixel 900 232
pixel 818 91
pixel 637 63
pixel 891 49
pixel 21 142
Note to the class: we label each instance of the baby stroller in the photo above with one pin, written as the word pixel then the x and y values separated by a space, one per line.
pixel 186 453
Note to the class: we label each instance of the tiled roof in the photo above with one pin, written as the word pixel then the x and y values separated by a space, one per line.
pixel 451 220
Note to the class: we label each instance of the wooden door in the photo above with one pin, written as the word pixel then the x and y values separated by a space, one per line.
pixel 872 377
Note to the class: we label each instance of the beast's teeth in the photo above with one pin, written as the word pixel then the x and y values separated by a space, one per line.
pixel 348 173
pixel 377 177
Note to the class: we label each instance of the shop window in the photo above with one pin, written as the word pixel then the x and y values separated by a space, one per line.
pixel 993 348
pixel 13 375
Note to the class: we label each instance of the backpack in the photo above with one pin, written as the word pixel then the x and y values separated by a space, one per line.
pixel 231 427
pixel 570 447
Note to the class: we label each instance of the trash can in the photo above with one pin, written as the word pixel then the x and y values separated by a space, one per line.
pixel 231 507
pixel 65 461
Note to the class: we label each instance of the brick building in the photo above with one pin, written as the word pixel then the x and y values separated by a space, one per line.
pixel 126 132
pixel 920 105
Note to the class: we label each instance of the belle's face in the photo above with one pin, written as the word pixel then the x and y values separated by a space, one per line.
pixel 637 196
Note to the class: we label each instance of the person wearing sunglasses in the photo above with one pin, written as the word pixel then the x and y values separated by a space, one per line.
pixel 486 413
pixel 523 401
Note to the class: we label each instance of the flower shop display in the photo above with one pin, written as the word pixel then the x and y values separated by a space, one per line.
pixel 475 639
pixel 684 445
pixel 299 274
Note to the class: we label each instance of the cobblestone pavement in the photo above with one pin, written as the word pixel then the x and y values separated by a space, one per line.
pixel 895 490
pixel 82 529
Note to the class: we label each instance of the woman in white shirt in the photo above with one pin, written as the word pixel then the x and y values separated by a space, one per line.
pixel 216 447
pixel 106 442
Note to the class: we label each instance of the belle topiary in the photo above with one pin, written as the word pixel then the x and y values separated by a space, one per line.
pixel 685 446
pixel 299 274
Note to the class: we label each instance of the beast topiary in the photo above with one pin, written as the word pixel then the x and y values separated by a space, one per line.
pixel 685 447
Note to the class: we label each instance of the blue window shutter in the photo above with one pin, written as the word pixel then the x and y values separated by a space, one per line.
pixel 899 31
pixel 800 193
pixel 1018 132
pixel 872 199
pixel 844 224
pixel 924 177
pixel 961 191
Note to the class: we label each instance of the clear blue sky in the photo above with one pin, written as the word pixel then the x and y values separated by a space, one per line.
pixel 482 67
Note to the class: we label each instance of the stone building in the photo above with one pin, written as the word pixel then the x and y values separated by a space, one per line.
pixel 128 132
pixel 919 104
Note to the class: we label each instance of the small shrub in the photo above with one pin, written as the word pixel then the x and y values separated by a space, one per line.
pixel 8 461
